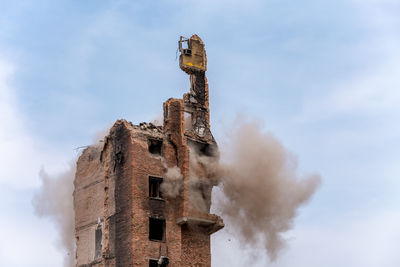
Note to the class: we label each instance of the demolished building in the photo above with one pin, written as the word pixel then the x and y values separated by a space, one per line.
pixel 124 213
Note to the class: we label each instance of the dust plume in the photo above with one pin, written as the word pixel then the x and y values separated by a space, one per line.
pixel 55 201
pixel 98 137
pixel 173 181
pixel 261 187
pixel 203 173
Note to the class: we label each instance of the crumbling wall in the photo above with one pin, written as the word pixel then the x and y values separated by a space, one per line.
pixel 121 158
pixel 88 202
pixel 174 131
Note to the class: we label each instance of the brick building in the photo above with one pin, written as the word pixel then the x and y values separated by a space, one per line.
pixel 123 214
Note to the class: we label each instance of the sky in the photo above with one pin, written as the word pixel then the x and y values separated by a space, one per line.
pixel 322 76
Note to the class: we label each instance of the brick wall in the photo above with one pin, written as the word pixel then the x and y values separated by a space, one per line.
pixel 112 189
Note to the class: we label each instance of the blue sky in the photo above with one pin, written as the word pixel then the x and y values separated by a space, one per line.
pixel 322 76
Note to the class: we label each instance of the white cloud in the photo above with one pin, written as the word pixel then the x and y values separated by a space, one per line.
pixel 25 238
pixel 370 93
pixel 368 239
pixel 363 241
pixel 15 144
pixel 370 236
pixel 373 90
pixel 22 155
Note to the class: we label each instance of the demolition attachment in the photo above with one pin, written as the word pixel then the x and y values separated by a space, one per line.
pixel 193 55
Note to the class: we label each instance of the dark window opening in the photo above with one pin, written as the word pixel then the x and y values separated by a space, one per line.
pixel 155 146
pixel 156 229
pixel 162 262
pixel 206 150
pixel 154 187
pixel 98 237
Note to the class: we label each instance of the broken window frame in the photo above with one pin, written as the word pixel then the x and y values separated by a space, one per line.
pixel 155 187
pixel 155 236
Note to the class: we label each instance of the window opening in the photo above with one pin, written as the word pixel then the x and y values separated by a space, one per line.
pixel 184 46
pixel 98 237
pixel 155 146
pixel 163 261
pixel 154 187
pixel 153 263
pixel 188 120
pixel 206 150
pixel 157 229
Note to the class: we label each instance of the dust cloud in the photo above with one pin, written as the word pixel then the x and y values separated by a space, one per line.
pixel 261 187
pixel 203 172
pixel 55 201
pixel 98 137
pixel 172 184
